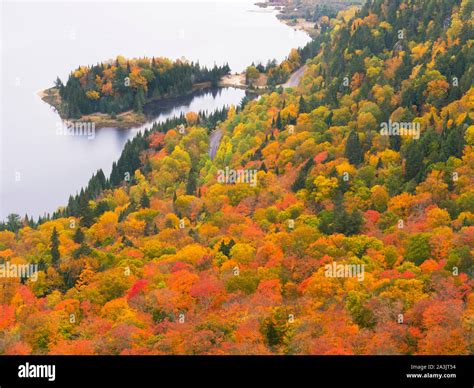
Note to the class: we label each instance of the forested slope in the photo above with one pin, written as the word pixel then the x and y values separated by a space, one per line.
pixel 367 163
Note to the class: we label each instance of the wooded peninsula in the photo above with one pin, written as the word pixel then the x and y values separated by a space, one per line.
pixel 114 92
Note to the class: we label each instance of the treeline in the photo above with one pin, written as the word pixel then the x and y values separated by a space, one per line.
pixel 117 87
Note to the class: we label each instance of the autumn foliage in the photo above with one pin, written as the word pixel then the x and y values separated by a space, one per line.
pixel 174 262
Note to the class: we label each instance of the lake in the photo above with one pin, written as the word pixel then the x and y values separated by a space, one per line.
pixel 43 40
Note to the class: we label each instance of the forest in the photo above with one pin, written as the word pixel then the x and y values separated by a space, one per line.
pixel 162 258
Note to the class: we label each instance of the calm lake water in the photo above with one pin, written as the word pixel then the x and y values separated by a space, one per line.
pixel 40 41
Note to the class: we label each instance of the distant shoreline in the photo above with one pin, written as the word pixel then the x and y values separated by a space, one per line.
pixel 298 23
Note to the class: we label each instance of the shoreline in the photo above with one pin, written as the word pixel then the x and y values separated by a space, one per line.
pixel 299 24
pixel 124 120
pixel 236 80
pixel 130 119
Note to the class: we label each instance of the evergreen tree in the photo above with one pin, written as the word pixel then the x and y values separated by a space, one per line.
pixel 454 144
pixel 395 142
pixel 147 166
pixel 83 250
pixel 139 101
pixel 329 119
pixel 191 184
pixel 79 236
pixel 225 248
pixel 279 123
pixel 413 162
pixel 300 180
pixel 353 151
pixel 85 212
pixel 303 106
pixel 379 164
pixel 13 223
pixel 144 200
pixel 55 256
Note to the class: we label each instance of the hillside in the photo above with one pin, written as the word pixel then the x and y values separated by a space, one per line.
pixel 337 217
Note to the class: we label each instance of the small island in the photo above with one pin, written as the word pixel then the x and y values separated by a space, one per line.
pixel 113 93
